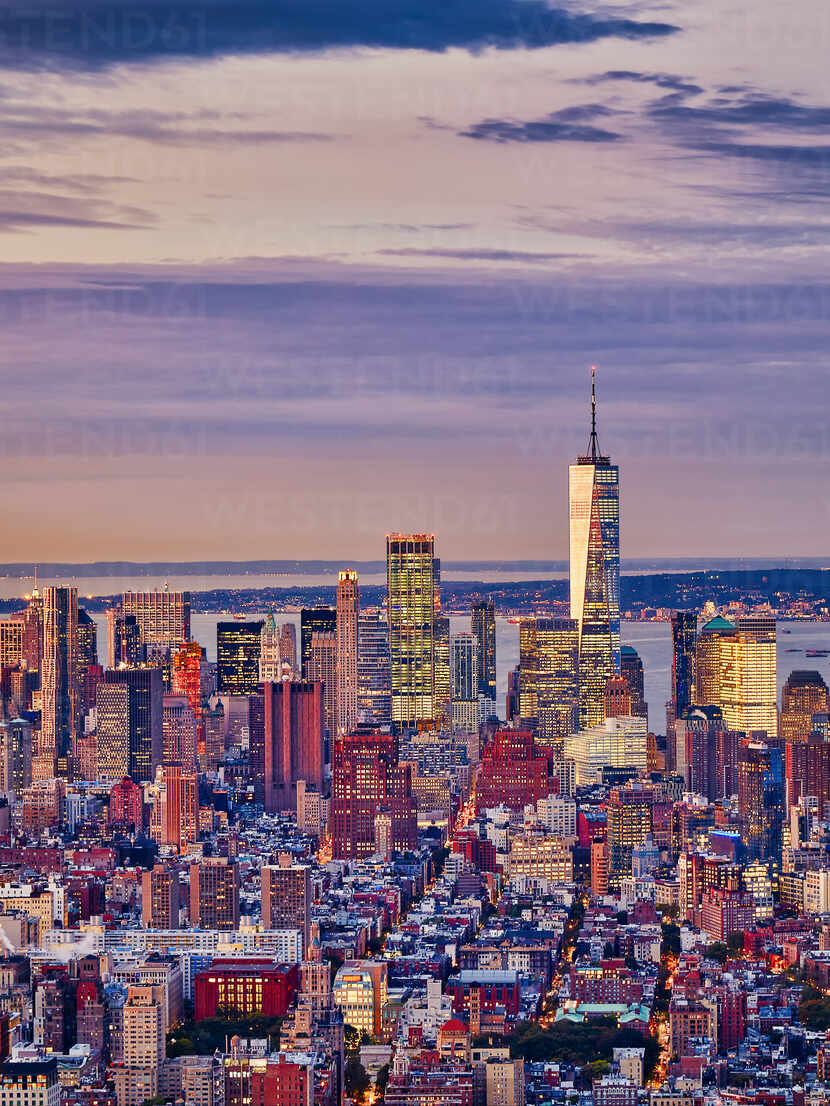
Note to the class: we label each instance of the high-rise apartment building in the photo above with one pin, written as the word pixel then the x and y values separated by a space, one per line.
pixel 214 893
pixel 322 669
pixel 238 647
pixel 15 755
pixel 314 620
pixel 160 898
pixel 286 897
pixel 483 625
pixel 807 773
pixel 59 676
pixel 557 680
pixel 412 583
pixel 348 644
pixel 374 671
pixel 803 695
pixel 293 741
pixel 629 824
pixel 181 827
pixel 162 617
pixel 368 781
pixel 595 572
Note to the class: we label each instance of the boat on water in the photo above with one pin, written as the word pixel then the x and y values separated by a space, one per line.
pixel 818 652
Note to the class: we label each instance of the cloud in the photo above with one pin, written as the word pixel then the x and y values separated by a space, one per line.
pixel 20 211
pixel 476 254
pixel 565 125
pixel 748 110
pixel 661 80
pixel 94 34
pixel 21 121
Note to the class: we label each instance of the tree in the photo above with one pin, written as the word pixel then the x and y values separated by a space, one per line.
pixel 357 1081
pixel 383 1078
pixel 608 951
pixel 735 941
pixel 671 939
pixel 814 1009
pixel 717 951
pixel 351 1037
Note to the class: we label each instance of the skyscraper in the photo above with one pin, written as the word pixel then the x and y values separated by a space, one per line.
pixel 441 664
pixel 348 616
pixel 162 617
pixel 182 806
pixel 684 643
pixel 483 625
pixel 595 572
pixel 708 660
pixel 631 666
pixel 288 645
pixel 557 680
pixel 59 680
pixel 269 651
pixel 803 695
pixel 293 741
pixel 412 589
pixel 748 676
pixel 374 674
pixel 528 674
pixel 314 620
pixel 464 669
pixel 760 798
pixel 179 731
pixel 238 646
pixel 187 674
pixel 214 893
pixel 123 638
pixel 130 723
pixel 322 668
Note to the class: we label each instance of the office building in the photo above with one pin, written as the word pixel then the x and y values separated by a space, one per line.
pixel 515 771
pixel 15 755
pixel 126 806
pixel 178 731
pixel 30 1083
pixel 464 669
pixel 249 987
pixel 684 646
pixel 214 893
pixel 348 621
pixel 760 798
pixel 441 670
pixel 594 495
pixel 708 663
pixel 59 677
pixel 367 779
pixel 374 672
pixel 181 822
pixel 748 681
pixel 293 742
pixel 322 669
pixel 360 990
pixel 483 625
pixel 162 617
pixel 123 638
pixel 803 695
pixel 130 723
pixel 807 773
pixel 269 651
pixel 186 674
pixel 557 680
pixel 616 743
pixel 238 646
pixel 629 825
pixel 412 581
pixel 288 646
pixel 314 620
pixel 631 667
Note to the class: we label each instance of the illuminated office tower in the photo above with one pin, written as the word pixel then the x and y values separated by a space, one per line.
pixel 314 620
pixel 292 742
pixel 269 651
pixel 162 617
pixel 629 824
pixel 348 615
pixel 123 638
pixel 412 595
pixel 760 798
pixel 59 678
pixel 87 661
pixel 237 657
pixel 595 572
pixel 708 661
pixel 374 672
pixel 631 666
pixel 684 644
pixel 557 680
pixel 748 677
pixel 464 666
pixel 442 678
pixel 322 668
pixel 288 645
pixel 483 625
pixel 368 780
pixel 20 637
pixel 528 674
pixel 187 674
pixel 803 695
pixel 130 723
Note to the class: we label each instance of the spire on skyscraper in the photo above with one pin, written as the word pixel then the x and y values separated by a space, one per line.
pixel 593 455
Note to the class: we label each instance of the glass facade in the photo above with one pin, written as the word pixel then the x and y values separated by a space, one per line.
pixel 411 597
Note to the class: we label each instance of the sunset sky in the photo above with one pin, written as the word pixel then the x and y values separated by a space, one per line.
pixel 278 277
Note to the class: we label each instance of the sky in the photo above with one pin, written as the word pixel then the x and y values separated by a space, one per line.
pixel 279 276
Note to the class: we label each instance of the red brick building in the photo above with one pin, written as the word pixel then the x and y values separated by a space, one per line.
pixel 249 986
pixel 514 771
pixel 367 780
